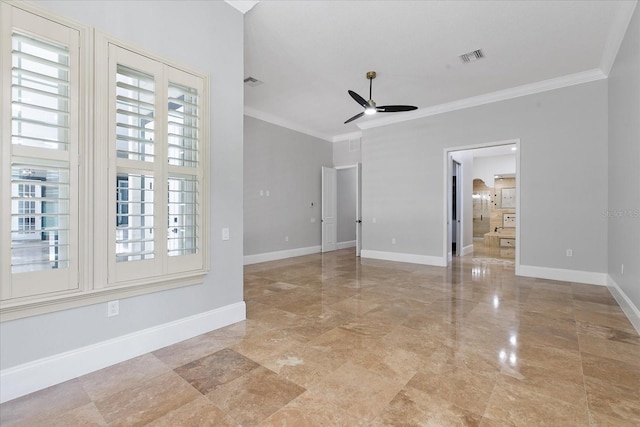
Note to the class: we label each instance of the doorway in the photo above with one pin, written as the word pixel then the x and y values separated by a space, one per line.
pixel 496 166
pixel 341 208
pixel 456 208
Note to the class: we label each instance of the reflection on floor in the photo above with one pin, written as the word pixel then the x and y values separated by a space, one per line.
pixel 334 340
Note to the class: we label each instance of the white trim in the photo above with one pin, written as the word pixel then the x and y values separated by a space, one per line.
pixel 345 245
pixel 273 256
pixel 488 98
pixel 577 276
pixel 274 120
pixel 33 376
pixel 467 250
pixel 347 136
pixel 402 257
pixel 628 307
pixel 616 36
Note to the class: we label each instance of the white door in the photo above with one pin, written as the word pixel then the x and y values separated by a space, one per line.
pixel 358 209
pixel 329 209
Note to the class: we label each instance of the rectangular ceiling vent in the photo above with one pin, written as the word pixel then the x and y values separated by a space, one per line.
pixel 471 56
pixel 252 81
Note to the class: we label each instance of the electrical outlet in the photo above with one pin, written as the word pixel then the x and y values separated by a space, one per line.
pixel 393 241
pixel 113 308
pixel 225 233
pixel 286 238
pixel 569 252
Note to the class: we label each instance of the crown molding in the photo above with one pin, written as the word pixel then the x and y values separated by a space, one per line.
pixel 616 36
pixel 243 6
pixel 269 118
pixel 488 98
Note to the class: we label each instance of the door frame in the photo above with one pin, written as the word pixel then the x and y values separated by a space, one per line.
pixel 358 167
pixel 446 243
pixel 457 225
pixel 326 246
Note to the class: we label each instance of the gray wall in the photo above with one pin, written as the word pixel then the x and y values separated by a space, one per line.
pixel 213 43
pixel 485 168
pixel 287 164
pixel 563 175
pixel 346 204
pixel 343 157
pixel 624 161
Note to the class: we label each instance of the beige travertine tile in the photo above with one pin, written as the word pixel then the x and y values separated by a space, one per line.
pixel 251 398
pixel 356 390
pixel 45 404
pixel 612 400
pixel 210 372
pixel 610 348
pixel 192 349
pixel 332 339
pixel 413 407
pixel 199 412
pixel 124 375
pixel 147 401
pixel 519 405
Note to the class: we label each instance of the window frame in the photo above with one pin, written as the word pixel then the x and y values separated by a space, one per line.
pixel 93 184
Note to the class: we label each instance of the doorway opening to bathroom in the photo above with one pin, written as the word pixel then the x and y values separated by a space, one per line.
pixel 482 201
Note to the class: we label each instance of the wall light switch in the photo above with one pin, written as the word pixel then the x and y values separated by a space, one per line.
pixel 268 193
pixel 225 233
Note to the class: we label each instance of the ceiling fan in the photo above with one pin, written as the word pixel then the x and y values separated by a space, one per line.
pixel 370 106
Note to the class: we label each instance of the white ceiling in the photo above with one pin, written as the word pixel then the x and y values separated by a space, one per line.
pixel 309 53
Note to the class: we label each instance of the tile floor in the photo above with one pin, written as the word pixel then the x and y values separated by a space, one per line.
pixel 332 340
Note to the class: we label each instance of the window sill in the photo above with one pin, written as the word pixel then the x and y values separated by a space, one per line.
pixel 32 306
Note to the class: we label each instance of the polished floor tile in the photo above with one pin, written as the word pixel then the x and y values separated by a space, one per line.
pixel 335 340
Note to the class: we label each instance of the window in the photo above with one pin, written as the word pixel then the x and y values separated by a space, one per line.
pixel 82 215
pixel 40 246
pixel 155 141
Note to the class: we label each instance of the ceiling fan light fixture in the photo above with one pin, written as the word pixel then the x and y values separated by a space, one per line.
pixel 370 106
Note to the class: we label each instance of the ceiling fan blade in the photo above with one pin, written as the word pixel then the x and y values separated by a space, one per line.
pixel 395 108
pixel 360 100
pixel 357 116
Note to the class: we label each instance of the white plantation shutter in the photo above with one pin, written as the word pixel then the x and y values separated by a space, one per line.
pixel 103 167
pixel 40 166
pixel 155 134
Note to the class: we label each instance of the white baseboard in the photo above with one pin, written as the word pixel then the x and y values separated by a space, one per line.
pixel 630 310
pixel 273 256
pixel 33 376
pixel 588 277
pixel 345 245
pixel 401 257
pixel 467 250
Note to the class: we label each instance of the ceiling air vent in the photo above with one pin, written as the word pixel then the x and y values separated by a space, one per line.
pixel 251 81
pixel 471 56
